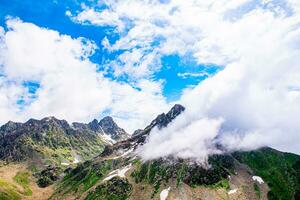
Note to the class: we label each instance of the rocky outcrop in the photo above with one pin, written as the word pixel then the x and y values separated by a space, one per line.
pixel 139 136
pixel 109 127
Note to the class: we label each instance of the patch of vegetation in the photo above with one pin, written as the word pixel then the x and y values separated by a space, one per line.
pixel 86 175
pixel 114 189
pixel 8 191
pixel 33 168
pixel 48 176
pixel 181 173
pixel 157 171
pixel 48 144
pixel 281 171
pixel 222 184
pixel 22 178
pixel 257 190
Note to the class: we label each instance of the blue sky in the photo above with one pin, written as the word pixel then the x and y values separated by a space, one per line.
pixel 233 64
pixel 52 15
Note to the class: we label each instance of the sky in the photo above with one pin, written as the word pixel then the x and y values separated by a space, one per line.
pixel 234 65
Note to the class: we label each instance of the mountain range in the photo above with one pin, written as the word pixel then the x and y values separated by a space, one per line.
pixel 51 159
pixel 53 141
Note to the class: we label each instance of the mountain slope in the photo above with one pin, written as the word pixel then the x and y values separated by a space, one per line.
pixel 280 170
pixel 118 173
pixel 227 178
pixel 53 141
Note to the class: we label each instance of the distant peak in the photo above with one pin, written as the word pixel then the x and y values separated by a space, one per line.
pixel 175 111
pixel 177 107
pixel 107 118
pixel 94 121
pixel 107 121
pixel 9 125
pixel 10 122
pixel 163 119
pixel 50 118
pixel 93 125
pixel 109 126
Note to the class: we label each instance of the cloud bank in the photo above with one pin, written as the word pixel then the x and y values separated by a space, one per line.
pixel 45 73
pixel 252 102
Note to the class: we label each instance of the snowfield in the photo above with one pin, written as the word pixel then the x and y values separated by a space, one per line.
pixel 164 194
pixel 258 179
pixel 118 172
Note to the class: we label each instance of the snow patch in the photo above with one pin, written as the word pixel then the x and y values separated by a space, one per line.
pixel 77 158
pixel 258 179
pixel 108 139
pixel 164 194
pixel 124 154
pixel 232 191
pixel 118 172
pixel 122 172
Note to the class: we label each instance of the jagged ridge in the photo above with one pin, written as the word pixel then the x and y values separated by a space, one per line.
pixel 51 140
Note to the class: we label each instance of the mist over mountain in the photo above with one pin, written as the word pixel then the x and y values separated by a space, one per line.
pixel 233 175
pixel 149 100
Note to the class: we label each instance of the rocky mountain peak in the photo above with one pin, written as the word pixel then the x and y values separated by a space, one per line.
pixel 176 110
pixel 110 127
pixel 47 122
pixel 94 126
pixel 9 127
pixel 107 120
pixel 139 136
pixel 163 119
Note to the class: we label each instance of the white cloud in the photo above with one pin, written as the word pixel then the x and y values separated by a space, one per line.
pixel 183 140
pixel 256 95
pixel 257 43
pixel 185 75
pixel 136 107
pixel 70 86
pixel 102 18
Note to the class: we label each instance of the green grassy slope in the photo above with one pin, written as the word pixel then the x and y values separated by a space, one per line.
pixel 22 178
pixel 51 147
pixel 280 170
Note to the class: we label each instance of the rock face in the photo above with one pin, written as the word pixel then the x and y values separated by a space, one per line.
pixel 139 136
pixel 109 127
pixel 163 119
pixel 55 140
pixel 160 121
pixel 106 126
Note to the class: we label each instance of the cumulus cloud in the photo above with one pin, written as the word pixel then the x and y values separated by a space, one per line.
pixel 256 94
pixel 69 85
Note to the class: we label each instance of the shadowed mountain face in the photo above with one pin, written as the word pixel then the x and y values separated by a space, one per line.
pixel 51 140
pixel 108 126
